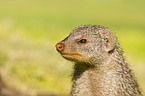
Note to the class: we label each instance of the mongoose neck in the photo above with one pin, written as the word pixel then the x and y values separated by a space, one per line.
pixel 111 78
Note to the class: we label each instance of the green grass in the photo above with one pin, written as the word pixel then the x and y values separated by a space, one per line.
pixel 29 30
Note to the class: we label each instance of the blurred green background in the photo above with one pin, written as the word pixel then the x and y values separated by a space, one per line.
pixel 29 30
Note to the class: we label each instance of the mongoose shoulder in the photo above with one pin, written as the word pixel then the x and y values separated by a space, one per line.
pixel 100 68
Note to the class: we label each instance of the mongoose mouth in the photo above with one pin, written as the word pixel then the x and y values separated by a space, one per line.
pixel 70 56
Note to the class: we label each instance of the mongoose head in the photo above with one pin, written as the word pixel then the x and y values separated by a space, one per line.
pixel 88 43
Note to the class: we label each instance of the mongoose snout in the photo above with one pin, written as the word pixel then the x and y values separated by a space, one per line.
pixel 59 47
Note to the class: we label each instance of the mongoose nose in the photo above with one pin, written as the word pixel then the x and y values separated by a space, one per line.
pixel 59 47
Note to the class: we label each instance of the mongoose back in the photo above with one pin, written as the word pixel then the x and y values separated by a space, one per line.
pixel 100 68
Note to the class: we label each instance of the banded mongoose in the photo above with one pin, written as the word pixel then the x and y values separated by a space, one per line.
pixel 100 68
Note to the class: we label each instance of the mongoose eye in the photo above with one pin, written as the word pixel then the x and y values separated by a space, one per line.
pixel 82 41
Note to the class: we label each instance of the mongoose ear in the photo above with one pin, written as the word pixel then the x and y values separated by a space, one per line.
pixel 110 41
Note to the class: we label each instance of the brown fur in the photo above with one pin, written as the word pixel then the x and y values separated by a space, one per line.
pixel 100 68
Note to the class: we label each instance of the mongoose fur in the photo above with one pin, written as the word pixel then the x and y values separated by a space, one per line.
pixel 100 68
